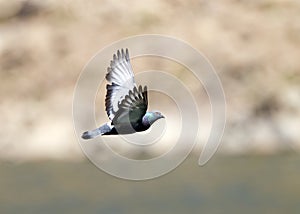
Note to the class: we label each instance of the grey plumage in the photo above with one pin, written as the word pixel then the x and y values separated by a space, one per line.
pixel 125 103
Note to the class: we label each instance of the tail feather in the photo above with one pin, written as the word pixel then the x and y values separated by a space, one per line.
pixel 98 131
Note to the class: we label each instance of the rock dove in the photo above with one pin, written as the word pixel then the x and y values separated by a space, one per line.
pixel 125 103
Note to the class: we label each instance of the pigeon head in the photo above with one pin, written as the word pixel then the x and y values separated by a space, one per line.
pixel 152 116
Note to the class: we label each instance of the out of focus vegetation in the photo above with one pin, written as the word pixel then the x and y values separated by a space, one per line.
pixel 254 46
pixel 249 184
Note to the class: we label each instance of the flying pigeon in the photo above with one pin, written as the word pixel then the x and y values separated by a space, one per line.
pixel 125 103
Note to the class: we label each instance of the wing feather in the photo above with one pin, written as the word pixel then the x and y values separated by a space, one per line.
pixel 121 79
pixel 133 107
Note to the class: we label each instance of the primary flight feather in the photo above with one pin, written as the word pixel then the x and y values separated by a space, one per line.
pixel 125 103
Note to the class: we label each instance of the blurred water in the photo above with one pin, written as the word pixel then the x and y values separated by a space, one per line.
pixel 249 184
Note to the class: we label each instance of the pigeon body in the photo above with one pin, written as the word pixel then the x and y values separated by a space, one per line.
pixel 125 103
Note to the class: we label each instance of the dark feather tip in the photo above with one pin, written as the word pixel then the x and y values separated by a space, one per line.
pixel 86 135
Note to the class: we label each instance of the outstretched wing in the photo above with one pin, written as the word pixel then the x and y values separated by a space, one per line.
pixel 121 77
pixel 133 107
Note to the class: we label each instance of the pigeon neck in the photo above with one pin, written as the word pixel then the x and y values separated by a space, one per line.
pixel 146 122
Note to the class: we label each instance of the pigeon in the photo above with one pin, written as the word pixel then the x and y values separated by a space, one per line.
pixel 125 103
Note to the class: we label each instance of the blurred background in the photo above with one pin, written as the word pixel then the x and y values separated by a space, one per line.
pixel 255 49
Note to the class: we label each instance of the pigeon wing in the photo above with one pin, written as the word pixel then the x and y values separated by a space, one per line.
pixel 133 107
pixel 121 79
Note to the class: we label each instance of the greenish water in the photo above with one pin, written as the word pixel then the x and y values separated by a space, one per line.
pixel 249 184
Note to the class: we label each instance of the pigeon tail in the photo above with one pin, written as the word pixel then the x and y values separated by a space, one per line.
pixel 98 131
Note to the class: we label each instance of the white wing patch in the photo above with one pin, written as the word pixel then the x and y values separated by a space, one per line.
pixel 121 77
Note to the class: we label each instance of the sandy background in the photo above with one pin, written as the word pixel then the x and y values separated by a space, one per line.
pixel 44 45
